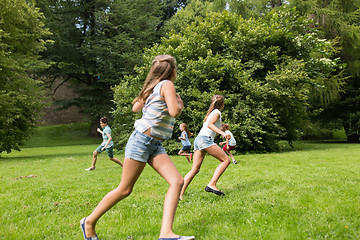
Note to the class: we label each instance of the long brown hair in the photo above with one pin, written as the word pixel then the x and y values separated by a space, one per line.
pixel 162 68
pixel 186 129
pixel 217 102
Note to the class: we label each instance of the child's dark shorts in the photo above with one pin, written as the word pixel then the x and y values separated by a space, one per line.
pixel 186 148
pixel 109 150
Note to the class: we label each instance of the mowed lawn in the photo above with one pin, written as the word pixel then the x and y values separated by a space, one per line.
pixel 310 192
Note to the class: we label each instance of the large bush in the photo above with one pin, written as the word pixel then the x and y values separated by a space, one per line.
pixel 267 69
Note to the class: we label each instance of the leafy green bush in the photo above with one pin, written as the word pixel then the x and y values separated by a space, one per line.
pixel 267 69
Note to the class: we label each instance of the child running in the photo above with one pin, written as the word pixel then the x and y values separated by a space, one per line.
pixel 160 104
pixel 107 144
pixel 230 144
pixel 186 145
pixel 204 143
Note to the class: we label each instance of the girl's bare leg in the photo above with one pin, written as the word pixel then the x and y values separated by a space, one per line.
pixel 166 168
pixel 231 155
pixel 131 172
pixel 219 154
pixel 197 161
pixel 186 154
pixel 117 161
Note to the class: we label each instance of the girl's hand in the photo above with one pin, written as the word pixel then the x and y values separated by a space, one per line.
pixel 98 129
pixel 227 147
pixel 221 143
pixel 103 149
pixel 180 101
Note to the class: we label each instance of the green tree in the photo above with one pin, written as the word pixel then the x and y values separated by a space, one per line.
pixel 267 69
pixel 339 19
pixel 97 42
pixel 22 35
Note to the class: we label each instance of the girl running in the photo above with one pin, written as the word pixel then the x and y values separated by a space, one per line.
pixel 160 105
pixel 204 143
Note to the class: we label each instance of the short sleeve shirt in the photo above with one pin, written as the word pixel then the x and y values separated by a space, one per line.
pixel 106 131
pixel 232 141
pixel 185 142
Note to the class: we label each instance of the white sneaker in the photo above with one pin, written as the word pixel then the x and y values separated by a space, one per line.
pixel 89 169
pixel 234 162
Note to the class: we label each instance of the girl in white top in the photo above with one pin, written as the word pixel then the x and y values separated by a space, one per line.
pixel 204 143
pixel 230 144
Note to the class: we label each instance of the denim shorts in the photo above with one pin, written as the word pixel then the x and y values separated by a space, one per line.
pixel 141 147
pixel 186 148
pixel 109 150
pixel 202 142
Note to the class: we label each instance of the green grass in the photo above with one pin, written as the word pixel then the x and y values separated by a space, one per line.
pixel 311 192
pixel 62 135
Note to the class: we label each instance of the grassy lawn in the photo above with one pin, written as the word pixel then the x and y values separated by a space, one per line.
pixel 311 192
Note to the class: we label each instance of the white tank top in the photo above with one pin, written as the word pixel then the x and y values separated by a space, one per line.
pixel 205 131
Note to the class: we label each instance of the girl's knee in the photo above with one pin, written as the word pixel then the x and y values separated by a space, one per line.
pixel 227 161
pixel 123 192
pixel 95 153
pixel 178 181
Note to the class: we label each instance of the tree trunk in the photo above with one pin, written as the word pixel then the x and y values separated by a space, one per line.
pixel 94 125
pixel 351 134
pixel 353 138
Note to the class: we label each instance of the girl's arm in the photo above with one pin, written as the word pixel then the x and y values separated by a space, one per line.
pixel 109 140
pixel 227 143
pixel 182 137
pixel 138 106
pixel 98 129
pixel 172 99
pixel 212 126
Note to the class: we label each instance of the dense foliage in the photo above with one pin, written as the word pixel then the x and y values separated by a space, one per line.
pixel 339 19
pixel 267 69
pixel 97 42
pixel 21 38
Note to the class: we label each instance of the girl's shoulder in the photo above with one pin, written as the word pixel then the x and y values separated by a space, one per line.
pixel 215 111
pixel 165 82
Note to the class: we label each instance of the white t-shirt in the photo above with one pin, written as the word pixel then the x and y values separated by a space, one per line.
pixel 205 131
pixel 232 141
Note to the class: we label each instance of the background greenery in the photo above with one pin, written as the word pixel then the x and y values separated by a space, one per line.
pixel 289 69
pixel 310 192
pixel 22 33
pixel 269 79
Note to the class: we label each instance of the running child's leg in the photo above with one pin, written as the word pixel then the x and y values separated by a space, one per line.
pixel 219 154
pixel 184 153
pixel 95 153
pixel 197 161
pixel 166 168
pixel 130 174
pixel 232 156
pixel 116 160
